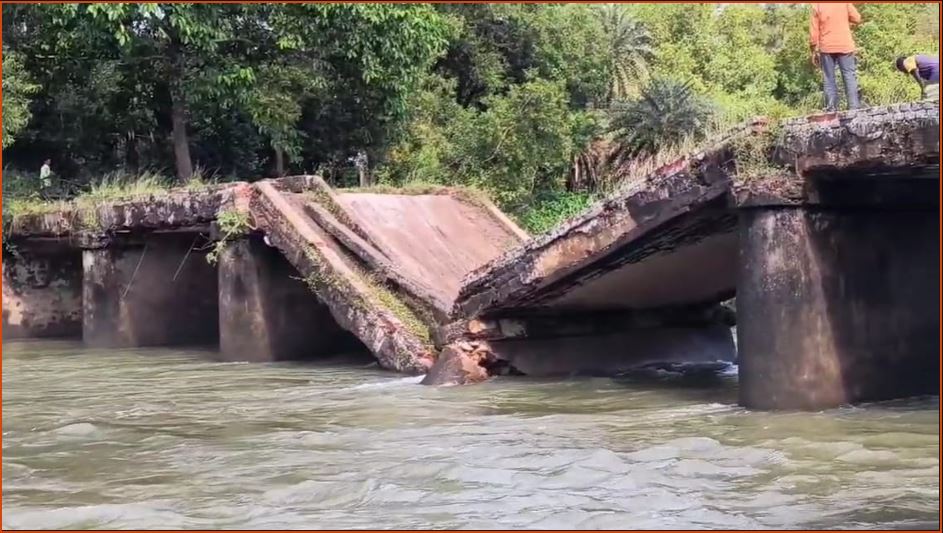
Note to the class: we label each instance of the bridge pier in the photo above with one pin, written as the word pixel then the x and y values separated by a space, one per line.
pixel 267 313
pixel 837 306
pixel 42 292
pixel 159 292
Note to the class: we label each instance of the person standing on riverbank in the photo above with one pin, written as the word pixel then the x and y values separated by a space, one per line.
pixel 925 70
pixel 832 45
pixel 45 176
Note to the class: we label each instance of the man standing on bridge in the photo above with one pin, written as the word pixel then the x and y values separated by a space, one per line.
pixel 831 43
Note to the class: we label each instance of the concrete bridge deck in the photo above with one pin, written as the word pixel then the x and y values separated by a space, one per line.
pixel 675 241
pixel 824 227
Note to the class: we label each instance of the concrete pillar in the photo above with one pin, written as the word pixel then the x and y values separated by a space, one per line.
pixel 267 313
pixel 42 292
pixel 836 307
pixel 155 294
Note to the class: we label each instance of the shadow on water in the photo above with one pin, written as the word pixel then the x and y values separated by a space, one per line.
pixel 705 382
pixel 668 385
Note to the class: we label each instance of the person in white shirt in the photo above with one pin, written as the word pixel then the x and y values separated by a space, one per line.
pixel 45 175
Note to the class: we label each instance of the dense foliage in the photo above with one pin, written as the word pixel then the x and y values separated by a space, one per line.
pixel 516 99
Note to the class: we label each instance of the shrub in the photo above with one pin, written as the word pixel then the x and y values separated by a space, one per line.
pixel 667 112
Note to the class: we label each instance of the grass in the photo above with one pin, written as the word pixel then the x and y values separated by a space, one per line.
pixel 405 314
pixel 21 198
pixel 550 210
pixel 322 198
pixel 753 155
pixel 377 292
pixel 120 186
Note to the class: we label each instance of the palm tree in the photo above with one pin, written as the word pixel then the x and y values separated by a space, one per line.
pixel 666 113
pixel 630 51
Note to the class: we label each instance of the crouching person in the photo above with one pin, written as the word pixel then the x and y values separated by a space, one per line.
pixel 925 71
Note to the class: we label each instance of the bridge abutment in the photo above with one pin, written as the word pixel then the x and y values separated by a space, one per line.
pixel 837 306
pixel 266 311
pixel 42 292
pixel 159 292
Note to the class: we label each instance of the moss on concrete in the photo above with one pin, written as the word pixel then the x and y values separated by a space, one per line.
pixel 325 200
pixel 379 294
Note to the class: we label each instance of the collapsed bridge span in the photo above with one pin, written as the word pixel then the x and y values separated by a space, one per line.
pixel 823 227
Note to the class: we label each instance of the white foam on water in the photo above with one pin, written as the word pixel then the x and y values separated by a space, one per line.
pixel 409 380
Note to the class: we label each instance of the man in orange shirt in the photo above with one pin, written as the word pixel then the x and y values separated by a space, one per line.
pixel 832 44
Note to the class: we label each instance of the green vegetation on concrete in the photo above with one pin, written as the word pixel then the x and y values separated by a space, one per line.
pixel 552 208
pixel 378 293
pixel 232 224
pixel 22 196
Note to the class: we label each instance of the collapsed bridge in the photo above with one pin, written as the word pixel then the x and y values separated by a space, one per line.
pixel 825 228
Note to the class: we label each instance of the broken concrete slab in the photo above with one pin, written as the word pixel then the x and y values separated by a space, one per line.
pixel 393 333
pixel 671 240
pixel 575 253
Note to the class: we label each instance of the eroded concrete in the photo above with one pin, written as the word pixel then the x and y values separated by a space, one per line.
pixel 837 307
pixel 161 293
pixel 391 331
pixel 42 292
pixel 565 266
pixel 267 312
pixel 180 208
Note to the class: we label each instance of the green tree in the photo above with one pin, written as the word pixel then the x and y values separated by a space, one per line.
pixel 501 45
pixel 519 147
pixel 17 88
pixel 310 82
pixel 628 53
pixel 183 44
pixel 667 112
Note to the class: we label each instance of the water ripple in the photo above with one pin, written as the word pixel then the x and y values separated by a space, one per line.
pixel 169 439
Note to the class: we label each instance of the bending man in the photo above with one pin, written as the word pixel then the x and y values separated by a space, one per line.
pixel 925 70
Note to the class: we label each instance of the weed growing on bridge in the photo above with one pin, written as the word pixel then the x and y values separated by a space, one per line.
pixel 82 210
pixel 405 314
pixel 550 210
pixel 232 224
pixel 325 200
pixel 324 278
pixel 753 155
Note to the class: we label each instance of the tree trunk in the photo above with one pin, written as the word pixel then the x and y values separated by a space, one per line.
pixel 279 163
pixel 178 119
pixel 178 111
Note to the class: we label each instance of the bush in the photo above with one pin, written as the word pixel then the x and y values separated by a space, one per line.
pixel 549 210
pixel 668 112
pixel 518 147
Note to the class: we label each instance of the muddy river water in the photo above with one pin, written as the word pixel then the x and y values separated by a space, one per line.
pixel 163 438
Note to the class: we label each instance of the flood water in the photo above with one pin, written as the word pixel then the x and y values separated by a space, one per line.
pixel 163 438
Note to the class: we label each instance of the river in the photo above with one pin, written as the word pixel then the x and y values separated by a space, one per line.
pixel 162 438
